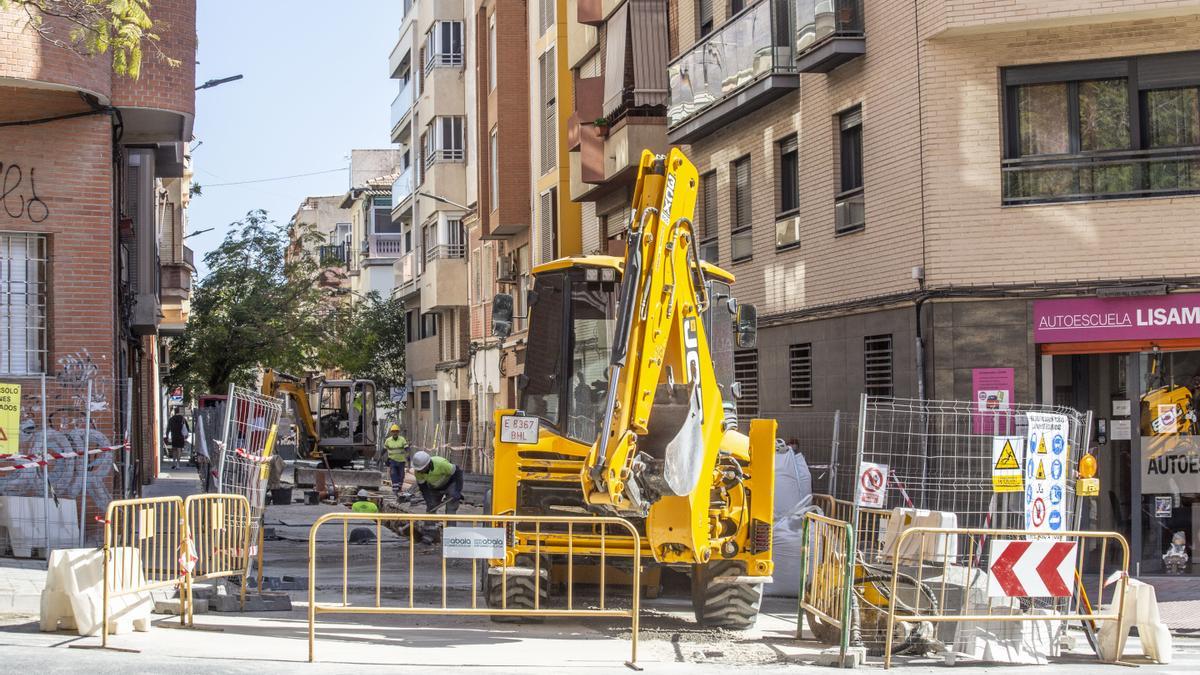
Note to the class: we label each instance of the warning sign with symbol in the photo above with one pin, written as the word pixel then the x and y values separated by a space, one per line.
pixel 10 418
pixel 1046 459
pixel 1006 466
pixel 872 485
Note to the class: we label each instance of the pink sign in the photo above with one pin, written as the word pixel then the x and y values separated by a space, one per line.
pixel 992 390
pixel 1154 317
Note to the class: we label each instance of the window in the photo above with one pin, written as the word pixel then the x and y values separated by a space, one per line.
pixel 1117 128
pixel 444 141
pixel 704 17
pixel 741 245
pixel 381 217
pixel 425 398
pixel 546 15
pixel 709 248
pixel 877 365
pixel 444 45
pixel 549 147
pixel 494 179
pixel 787 225
pixel 849 206
pixel 736 6
pixel 800 374
pixel 745 372
pixel 477 264
pixel 429 325
pixel 547 225
pixel 410 326
pixel 492 53
pixel 23 283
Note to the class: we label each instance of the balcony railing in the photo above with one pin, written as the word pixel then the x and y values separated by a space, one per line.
pixel 1122 174
pixel 755 44
pixel 402 104
pixel 445 60
pixel 333 255
pixel 448 155
pixel 189 257
pixel 406 270
pixel 828 33
pixel 445 251
pixel 402 187
pixel 385 245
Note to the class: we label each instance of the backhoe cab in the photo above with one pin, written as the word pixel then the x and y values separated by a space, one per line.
pixel 343 428
pixel 627 403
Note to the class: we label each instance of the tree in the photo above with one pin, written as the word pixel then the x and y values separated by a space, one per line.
pixel 95 27
pixel 255 308
pixel 369 344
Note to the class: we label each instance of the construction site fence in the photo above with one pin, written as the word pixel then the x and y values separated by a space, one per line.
pixel 948 578
pixel 826 566
pixel 165 542
pixel 582 555
pixel 66 455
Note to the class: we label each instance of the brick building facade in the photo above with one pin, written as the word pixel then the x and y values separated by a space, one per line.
pixel 85 154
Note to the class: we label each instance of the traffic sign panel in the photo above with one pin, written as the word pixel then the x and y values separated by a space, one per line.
pixel 1034 569
pixel 872 485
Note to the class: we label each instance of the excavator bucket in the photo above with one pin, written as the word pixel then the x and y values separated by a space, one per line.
pixel 676 441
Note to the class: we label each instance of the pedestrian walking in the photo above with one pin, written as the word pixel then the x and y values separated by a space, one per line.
pixel 397 456
pixel 177 435
pixel 439 480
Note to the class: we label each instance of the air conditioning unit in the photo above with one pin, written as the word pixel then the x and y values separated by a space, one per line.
pixel 506 268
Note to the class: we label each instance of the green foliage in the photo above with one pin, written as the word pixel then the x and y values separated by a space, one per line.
pixel 260 308
pixel 122 27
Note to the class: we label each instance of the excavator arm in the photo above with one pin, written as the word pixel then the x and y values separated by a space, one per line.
pixel 275 383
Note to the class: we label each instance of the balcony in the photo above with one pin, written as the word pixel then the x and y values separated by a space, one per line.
pixel 965 17
pixel 447 251
pixel 1122 174
pixel 739 68
pixel 402 189
pixel 400 57
pixel 406 270
pixel 444 280
pixel 385 245
pixel 828 34
pixel 590 12
pixel 402 105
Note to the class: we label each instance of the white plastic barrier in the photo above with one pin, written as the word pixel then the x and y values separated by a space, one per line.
pixel 1141 610
pixel 74 595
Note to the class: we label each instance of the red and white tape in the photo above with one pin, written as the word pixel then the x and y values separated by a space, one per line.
pixel 241 452
pixel 32 461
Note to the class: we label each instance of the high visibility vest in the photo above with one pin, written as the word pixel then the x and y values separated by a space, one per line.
pixel 397 448
pixel 437 474
pixel 364 507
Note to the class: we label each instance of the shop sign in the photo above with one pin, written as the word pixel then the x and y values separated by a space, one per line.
pixel 1154 317
pixel 1170 464
pixel 993 394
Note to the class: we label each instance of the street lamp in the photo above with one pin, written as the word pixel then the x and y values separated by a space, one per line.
pixel 443 200
pixel 215 83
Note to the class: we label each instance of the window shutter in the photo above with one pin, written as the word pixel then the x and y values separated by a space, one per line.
pixel 800 374
pixel 615 52
pixel 546 226
pixel 877 365
pixel 742 192
pixel 745 371
pixel 548 134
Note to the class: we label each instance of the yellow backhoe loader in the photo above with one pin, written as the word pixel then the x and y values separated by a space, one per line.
pixel 627 407
pixel 344 427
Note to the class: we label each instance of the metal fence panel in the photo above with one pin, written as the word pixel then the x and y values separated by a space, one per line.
pixel 251 422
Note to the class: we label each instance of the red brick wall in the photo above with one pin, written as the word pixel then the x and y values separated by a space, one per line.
pixel 161 86
pixel 26 56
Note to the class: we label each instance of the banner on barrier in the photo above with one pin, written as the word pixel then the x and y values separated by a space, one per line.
pixel 473 542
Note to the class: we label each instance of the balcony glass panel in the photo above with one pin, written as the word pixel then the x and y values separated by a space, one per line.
pixel 754 44
pixel 819 20
pixel 402 103
pixel 402 187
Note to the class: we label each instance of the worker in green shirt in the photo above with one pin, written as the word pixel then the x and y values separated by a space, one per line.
pixel 364 504
pixel 439 480
pixel 397 456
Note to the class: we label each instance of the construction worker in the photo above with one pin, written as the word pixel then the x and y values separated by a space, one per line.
pixel 364 504
pixel 439 480
pixel 397 456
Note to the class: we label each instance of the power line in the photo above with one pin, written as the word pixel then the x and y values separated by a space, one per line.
pixel 277 178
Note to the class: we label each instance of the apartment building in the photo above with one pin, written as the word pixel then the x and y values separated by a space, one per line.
pixel 93 266
pixel 932 200
pixel 432 203
pixel 321 231
pixel 617 53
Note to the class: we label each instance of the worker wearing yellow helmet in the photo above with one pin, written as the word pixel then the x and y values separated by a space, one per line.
pixel 397 456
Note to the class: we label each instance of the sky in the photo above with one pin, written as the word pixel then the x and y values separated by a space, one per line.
pixel 315 86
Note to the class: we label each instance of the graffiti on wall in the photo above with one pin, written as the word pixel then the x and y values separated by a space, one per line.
pixel 18 194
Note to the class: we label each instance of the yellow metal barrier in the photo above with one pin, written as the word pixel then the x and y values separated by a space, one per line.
pixel 939 549
pixel 219 527
pixel 869 526
pixel 148 536
pixel 826 562
pixel 524 537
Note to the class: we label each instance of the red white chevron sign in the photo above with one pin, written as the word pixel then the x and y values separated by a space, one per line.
pixel 1031 569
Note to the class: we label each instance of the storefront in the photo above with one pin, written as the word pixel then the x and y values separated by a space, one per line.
pixel 1135 362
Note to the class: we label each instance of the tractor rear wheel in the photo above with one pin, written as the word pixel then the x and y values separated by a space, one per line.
pixel 722 603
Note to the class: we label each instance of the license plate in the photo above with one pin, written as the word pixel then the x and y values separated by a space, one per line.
pixel 519 429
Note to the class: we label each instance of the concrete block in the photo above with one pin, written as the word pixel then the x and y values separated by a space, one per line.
pixel 255 602
pixel 173 606
pixel 855 657
pixel 369 480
